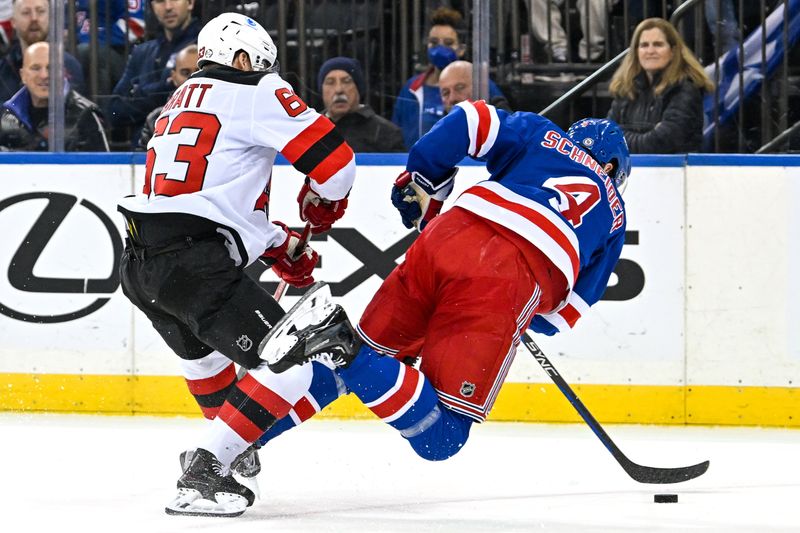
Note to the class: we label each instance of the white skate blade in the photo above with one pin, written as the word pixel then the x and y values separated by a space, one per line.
pixel 190 502
pixel 249 482
pixel 314 306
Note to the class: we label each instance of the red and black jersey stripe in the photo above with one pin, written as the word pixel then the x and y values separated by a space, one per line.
pixel 319 151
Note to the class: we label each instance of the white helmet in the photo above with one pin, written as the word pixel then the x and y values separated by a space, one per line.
pixel 226 34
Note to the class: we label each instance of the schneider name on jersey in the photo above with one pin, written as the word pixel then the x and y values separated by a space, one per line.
pixel 543 187
pixel 214 145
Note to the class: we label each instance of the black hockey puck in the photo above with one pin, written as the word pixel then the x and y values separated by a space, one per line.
pixel 665 498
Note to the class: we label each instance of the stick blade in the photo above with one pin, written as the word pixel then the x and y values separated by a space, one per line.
pixel 665 476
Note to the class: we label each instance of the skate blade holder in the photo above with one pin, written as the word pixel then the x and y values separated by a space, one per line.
pixel 190 502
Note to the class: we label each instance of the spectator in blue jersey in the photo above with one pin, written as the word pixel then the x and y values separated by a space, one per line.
pixel 532 246
pixel 31 23
pixel 419 105
pixel 127 27
pixel 658 92
pixel 24 118
pixel 145 85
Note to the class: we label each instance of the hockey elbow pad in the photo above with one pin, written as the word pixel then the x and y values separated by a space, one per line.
pixel 418 199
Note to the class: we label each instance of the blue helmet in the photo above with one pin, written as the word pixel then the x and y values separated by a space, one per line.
pixel 604 141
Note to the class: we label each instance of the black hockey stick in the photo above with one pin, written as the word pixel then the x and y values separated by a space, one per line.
pixel 642 474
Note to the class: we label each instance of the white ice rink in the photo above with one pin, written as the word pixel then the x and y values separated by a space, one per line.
pixel 114 474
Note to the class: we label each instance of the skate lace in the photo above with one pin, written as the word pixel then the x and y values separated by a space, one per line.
pixel 217 468
pixel 335 357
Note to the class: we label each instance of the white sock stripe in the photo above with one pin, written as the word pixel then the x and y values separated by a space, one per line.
pixel 313 402
pixel 388 394
pixel 472 124
pixel 294 417
pixel 291 385
pixel 578 303
pixel 494 128
pixel 205 367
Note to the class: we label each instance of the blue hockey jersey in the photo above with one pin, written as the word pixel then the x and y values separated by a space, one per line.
pixel 542 187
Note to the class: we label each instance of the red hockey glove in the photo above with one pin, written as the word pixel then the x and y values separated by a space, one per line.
pixel 293 266
pixel 418 199
pixel 321 213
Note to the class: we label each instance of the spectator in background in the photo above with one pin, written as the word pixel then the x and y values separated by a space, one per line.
pixel 6 31
pixel 455 85
pixel 341 82
pixel 419 105
pixel 127 25
pixel 726 21
pixel 31 22
pixel 145 84
pixel 185 66
pixel 24 118
pixel 658 92
pixel 550 32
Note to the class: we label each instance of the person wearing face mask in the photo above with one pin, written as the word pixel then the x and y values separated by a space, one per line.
pixel 419 105
pixel 658 92
pixel 341 83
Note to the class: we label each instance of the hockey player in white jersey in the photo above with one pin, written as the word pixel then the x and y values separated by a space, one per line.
pixel 202 216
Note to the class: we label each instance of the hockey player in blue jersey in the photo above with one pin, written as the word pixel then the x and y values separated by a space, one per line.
pixel 533 246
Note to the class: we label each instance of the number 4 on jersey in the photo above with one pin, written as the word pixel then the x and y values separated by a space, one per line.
pixel 577 195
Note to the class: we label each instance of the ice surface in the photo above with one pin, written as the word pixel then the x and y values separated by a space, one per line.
pixel 64 473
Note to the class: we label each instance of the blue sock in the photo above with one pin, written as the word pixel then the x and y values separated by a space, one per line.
pixel 325 388
pixel 404 398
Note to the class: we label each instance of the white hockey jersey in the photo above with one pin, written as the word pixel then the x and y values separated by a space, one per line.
pixel 214 145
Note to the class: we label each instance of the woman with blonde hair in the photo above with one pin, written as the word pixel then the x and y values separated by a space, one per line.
pixel 658 92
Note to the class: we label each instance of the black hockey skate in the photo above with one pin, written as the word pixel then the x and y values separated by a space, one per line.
pixel 247 464
pixel 313 330
pixel 203 490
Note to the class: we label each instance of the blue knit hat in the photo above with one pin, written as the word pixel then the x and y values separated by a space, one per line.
pixel 347 64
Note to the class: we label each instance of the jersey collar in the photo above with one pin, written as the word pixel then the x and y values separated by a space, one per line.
pixel 230 74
